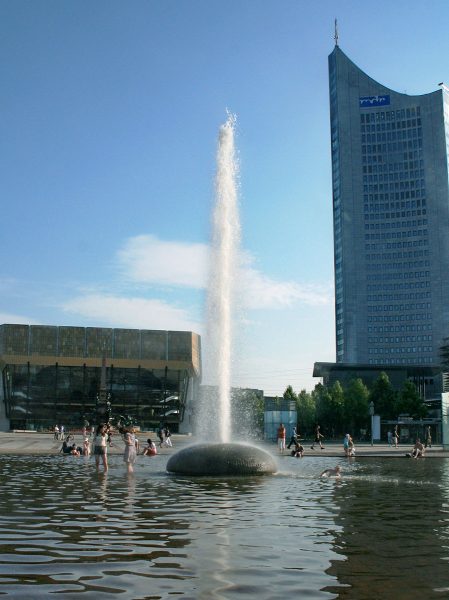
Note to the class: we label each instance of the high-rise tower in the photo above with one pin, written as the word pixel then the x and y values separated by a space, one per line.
pixel 391 219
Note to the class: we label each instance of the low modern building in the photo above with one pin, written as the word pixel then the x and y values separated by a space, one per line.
pixel 53 375
pixel 277 411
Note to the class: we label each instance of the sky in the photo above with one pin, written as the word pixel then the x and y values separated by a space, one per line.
pixel 110 112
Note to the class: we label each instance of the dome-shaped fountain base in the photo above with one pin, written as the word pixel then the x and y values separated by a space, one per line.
pixel 222 459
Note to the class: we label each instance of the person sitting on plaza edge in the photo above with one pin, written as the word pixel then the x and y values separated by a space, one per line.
pixel 150 449
pixel 298 450
pixel 418 449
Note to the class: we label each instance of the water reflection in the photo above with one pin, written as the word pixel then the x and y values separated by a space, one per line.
pixel 381 532
pixel 389 538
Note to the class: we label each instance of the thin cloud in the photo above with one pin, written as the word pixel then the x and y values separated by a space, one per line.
pixel 136 313
pixel 261 292
pixel 17 319
pixel 145 259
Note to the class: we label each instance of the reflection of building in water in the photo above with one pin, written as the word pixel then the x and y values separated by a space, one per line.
pixel 389 531
pixel 52 375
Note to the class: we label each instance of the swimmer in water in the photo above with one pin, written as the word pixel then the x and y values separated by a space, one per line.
pixel 332 472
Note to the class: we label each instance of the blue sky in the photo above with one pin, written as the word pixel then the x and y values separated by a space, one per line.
pixel 109 120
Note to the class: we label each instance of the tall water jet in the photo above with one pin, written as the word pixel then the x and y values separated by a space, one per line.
pixel 221 295
pixel 214 415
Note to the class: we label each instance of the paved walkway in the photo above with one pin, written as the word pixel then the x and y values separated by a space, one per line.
pixel 44 443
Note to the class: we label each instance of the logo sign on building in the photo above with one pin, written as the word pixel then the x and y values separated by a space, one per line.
pixel 371 101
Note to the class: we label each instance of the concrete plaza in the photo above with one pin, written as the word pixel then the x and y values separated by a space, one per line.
pixel 32 443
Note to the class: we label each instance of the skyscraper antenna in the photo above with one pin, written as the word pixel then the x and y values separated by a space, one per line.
pixel 336 32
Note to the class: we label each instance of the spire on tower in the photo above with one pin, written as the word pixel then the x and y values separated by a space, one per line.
pixel 336 32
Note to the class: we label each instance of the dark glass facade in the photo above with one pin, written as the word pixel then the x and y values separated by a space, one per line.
pixel 391 219
pixel 53 375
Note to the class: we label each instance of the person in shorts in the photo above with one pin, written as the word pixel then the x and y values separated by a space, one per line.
pixel 318 437
pixel 100 446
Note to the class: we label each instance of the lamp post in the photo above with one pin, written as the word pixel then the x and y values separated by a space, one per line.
pixel 371 412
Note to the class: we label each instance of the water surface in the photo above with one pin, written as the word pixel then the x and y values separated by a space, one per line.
pixel 381 532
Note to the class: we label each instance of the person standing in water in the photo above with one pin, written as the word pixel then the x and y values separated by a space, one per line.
pixel 130 454
pixel 86 447
pixel 100 447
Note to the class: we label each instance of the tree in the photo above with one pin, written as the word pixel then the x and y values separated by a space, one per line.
pixel 305 407
pixel 289 394
pixel 356 406
pixel 336 408
pixel 384 397
pixel 410 402
pixel 323 401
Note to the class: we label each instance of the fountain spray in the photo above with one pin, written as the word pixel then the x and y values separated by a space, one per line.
pixel 222 457
pixel 224 266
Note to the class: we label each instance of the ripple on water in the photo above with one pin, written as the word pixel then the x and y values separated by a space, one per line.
pixel 66 529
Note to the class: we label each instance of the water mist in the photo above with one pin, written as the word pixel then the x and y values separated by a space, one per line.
pixel 221 295
pixel 214 411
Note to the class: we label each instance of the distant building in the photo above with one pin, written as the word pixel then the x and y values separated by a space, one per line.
pixel 391 219
pixel 428 380
pixel 52 375
pixel 277 411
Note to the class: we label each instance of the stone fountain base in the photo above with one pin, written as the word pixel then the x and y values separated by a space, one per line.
pixel 222 459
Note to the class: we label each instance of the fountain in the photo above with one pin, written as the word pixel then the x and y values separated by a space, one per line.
pixel 223 457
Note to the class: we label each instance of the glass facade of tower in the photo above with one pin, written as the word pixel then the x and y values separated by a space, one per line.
pixel 391 219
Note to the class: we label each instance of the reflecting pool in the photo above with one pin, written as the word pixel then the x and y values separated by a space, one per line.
pixel 380 532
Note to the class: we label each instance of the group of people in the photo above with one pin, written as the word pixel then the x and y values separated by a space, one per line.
pixel 393 438
pixel 132 447
pixel 101 441
pixel 348 442
pixel 58 432
pixel 164 435
pixel 295 441
pixel 418 450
